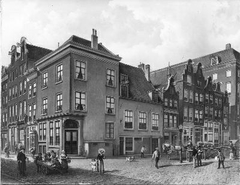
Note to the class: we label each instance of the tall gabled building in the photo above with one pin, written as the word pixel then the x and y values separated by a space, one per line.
pixel 23 57
pixel 190 83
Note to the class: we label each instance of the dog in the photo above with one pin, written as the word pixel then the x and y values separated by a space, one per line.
pixel 93 164
pixel 130 159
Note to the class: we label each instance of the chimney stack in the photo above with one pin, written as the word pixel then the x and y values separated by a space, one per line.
pixel 94 39
pixel 228 46
pixel 146 70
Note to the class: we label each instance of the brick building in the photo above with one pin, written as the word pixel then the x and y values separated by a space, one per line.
pixel 193 90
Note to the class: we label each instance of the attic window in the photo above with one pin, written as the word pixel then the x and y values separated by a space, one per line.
pixel 124 79
pixel 215 60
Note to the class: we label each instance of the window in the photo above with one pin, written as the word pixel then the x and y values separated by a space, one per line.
pixel 20 70
pixel 196 98
pixel 219 114
pixel 80 70
pixel 175 121
pixel 228 87
pixel 110 77
pixel 216 114
pixel 24 107
pixel 206 98
pixel 175 104
pixel 51 133
pixel 59 75
pixel 220 101
pixel 24 68
pixel 20 88
pixel 200 115
pixel 24 86
pixel 124 90
pixel 44 131
pixel 30 91
pixel 45 80
pixel 211 99
pixel 34 89
pixel 30 113
pixel 128 119
pixel 80 101
pixel 44 106
pixel 129 143
pixel 171 120
pixel 190 114
pixel 216 101
pixel 196 115
pixel 34 111
pixel 109 130
pixel 20 110
pixel 40 131
pixel 170 103
pixel 166 121
pixel 206 111
pixel 214 76
pixel 57 130
pixel 185 114
pixel 190 96
pixel 110 105
pixel 10 93
pixel 16 91
pixel 16 111
pixel 189 79
pixel 142 120
pixel 228 73
pixel 185 95
pixel 211 112
pixel 200 98
pixel 59 102
pixel 13 92
pixel 155 121
pixel 166 102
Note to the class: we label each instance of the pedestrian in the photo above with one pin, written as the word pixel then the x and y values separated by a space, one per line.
pixel 21 159
pixel 6 150
pixel 199 156
pixel 32 151
pixel 64 161
pixel 38 158
pixel 100 158
pixel 221 158
pixel 231 154
pixel 156 156
pixel 194 156
pixel 143 149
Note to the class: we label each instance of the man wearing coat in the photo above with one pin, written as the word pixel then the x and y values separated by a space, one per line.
pixel 21 159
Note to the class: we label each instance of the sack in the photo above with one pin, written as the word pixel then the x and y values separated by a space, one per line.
pixel 216 158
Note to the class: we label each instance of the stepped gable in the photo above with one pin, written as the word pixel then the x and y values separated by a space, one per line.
pixel 139 87
pixel 35 52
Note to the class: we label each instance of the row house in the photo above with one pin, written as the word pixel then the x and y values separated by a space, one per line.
pixel 194 93
pixel 4 108
pixel 140 111
pixel 23 56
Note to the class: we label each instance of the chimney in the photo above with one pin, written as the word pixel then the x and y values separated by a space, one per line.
pixel 147 72
pixel 228 46
pixel 94 39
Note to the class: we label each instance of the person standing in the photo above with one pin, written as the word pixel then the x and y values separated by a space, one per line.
pixel 199 156
pixel 221 158
pixel 38 158
pixel 194 156
pixel 6 150
pixel 100 158
pixel 21 158
pixel 143 149
pixel 156 156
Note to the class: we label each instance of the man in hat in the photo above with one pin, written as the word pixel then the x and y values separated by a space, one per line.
pixel 100 158
pixel 21 158
pixel 156 156
pixel 221 158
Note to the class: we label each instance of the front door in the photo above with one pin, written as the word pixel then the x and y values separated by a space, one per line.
pixel 71 141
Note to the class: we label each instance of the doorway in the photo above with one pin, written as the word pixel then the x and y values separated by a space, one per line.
pixel 71 141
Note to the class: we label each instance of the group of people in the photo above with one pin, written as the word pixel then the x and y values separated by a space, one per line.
pixel 197 156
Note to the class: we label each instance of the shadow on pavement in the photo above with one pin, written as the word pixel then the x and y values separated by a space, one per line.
pixel 228 167
pixel 206 163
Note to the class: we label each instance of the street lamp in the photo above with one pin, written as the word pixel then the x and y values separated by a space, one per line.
pixel 180 127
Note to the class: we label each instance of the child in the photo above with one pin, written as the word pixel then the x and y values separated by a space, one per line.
pixel 93 164
pixel 38 158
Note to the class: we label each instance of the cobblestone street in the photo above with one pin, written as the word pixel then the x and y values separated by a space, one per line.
pixel 141 171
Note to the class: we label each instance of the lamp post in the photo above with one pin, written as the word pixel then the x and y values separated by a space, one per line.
pixel 180 127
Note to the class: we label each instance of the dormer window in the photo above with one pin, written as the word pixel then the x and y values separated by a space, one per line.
pixel 215 60
pixel 124 86
pixel 189 79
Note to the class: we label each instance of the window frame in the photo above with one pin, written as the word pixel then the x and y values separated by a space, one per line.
pixel 140 119
pixel 59 73
pixel 44 106
pixel 110 75
pixel 59 102
pixel 130 117
pixel 155 121
pixel 44 79
pixel 82 69
pixel 109 131
pixel 81 101
pixel 107 109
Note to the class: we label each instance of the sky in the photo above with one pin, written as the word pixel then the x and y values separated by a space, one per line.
pixel 155 32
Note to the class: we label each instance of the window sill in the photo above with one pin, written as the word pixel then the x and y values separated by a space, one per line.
pixel 83 111
pixel 143 130
pixel 45 87
pixel 111 86
pixel 56 83
pixel 128 129
pixel 83 80
pixel 110 114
